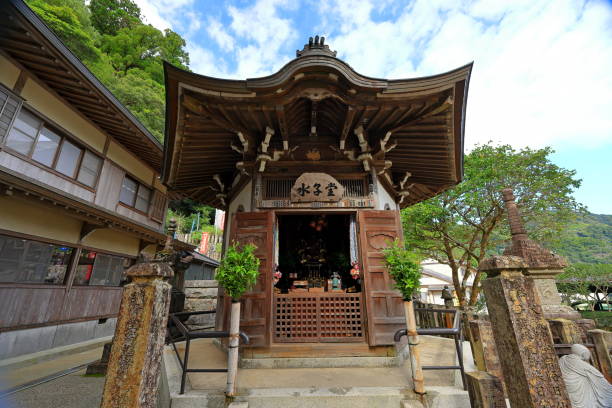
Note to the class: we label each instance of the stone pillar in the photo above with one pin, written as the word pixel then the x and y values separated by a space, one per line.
pixel 134 365
pixel 522 337
pixel 542 265
pixel 484 350
pixel 602 349
pixel 485 390
pixel 565 330
pixel 100 366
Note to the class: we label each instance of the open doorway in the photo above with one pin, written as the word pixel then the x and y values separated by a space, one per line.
pixel 317 299
pixel 314 253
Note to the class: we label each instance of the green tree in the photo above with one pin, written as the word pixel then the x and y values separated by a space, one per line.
pixel 69 19
pixel 463 225
pixel 145 47
pixel 144 97
pixel 110 16
pixel 586 282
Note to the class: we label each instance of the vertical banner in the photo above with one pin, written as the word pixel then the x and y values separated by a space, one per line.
pixel 219 219
pixel 204 242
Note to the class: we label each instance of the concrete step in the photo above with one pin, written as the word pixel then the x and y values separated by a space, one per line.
pixel 324 362
pixel 351 397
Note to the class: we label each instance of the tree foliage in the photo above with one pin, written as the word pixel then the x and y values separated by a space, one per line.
pixel 463 225
pixel 590 282
pixel 238 270
pixel 70 21
pixel 124 53
pixel 110 16
pixel 586 240
pixel 405 269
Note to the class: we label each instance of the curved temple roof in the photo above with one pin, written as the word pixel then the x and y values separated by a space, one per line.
pixel 219 131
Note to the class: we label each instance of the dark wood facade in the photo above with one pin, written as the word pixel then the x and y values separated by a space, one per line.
pixel 242 145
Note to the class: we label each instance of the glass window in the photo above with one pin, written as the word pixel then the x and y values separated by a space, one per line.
pixel 68 159
pixel 99 269
pixel 128 191
pixel 46 147
pixel 90 168
pixel 23 260
pixel 23 132
pixel 142 199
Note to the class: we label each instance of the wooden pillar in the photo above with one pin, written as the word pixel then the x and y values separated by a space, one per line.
pixel 485 390
pixel 522 337
pixel 135 358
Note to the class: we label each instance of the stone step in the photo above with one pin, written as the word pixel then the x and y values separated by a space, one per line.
pixel 324 362
pixel 351 397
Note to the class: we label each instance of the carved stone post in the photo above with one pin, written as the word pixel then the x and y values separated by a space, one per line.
pixel 522 335
pixel 602 349
pixel 524 344
pixel 484 350
pixel 134 365
pixel 485 390
pixel 542 264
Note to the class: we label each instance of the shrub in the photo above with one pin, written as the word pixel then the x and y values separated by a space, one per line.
pixel 238 270
pixel 404 267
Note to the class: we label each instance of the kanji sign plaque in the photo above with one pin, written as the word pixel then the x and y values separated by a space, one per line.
pixel 311 187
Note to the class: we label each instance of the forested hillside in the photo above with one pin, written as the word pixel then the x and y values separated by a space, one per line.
pixel 587 240
pixel 126 54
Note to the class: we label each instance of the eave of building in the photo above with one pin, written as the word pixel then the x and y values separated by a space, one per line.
pixel 26 39
pixel 423 117
pixel 12 183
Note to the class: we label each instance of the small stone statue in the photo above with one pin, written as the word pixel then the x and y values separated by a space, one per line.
pixel 586 386
pixel 335 281
pixel 448 297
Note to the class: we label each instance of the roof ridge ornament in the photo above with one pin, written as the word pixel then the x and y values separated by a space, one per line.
pixel 315 46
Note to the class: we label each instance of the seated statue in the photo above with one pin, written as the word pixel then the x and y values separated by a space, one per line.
pixel 586 386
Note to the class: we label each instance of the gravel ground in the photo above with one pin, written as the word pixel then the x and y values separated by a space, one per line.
pixel 71 391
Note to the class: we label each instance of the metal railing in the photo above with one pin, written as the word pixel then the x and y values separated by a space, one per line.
pixel 187 335
pixel 454 332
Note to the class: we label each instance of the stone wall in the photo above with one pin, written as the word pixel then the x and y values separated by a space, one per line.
pixel 201 295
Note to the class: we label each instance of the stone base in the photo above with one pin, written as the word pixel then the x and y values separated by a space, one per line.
pixel 100 366
pixel 560 312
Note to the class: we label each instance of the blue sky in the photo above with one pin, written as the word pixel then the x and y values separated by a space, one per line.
pixel 542 68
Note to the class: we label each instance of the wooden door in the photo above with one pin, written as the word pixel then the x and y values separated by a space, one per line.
pixel 255 228
pixel 384 305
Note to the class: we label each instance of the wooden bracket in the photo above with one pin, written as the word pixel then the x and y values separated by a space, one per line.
pixel 88 228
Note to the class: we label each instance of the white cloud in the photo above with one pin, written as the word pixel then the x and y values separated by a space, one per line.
pixel 217 32
pixel 262 34
pixel 542 70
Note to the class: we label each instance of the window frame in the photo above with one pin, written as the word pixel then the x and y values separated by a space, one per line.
pixel 111 257
pixel 139 186
pixel 64 136
pixel 28 243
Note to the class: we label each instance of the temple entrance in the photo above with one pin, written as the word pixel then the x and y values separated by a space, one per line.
pixel 316 299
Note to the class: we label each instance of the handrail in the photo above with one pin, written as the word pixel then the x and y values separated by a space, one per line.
pixel 188 335
pixel 454 331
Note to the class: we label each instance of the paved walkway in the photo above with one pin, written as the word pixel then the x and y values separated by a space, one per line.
pixel 71 391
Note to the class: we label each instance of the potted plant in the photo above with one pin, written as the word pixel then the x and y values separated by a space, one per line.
pixel 237 273
pixel 405 269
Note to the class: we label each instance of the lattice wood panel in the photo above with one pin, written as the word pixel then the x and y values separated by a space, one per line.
pixel 325 317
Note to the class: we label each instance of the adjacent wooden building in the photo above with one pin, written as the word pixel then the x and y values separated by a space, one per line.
pixel 80 194
pixel 313 164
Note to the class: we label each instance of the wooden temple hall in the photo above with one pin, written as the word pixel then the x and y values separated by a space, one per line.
pixel 313 164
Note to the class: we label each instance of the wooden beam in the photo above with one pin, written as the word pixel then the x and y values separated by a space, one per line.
pixel 346 127
pixel 282 122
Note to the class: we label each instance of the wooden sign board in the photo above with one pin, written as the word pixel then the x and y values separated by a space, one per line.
pixel 312 187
